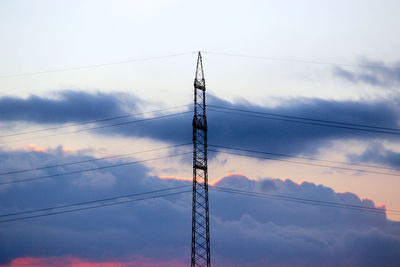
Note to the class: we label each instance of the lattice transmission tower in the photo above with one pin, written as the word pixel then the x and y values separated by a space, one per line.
pixel 200 212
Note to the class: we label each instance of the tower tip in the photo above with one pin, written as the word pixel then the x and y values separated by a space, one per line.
pixel 199 81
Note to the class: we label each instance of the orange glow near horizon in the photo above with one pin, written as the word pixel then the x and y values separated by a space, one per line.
pixel 176 178
pixel 210 183
pixel 34 148
pixel 76 262
pixel 229 175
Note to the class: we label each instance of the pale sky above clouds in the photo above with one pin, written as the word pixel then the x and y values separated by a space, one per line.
pixel 42 35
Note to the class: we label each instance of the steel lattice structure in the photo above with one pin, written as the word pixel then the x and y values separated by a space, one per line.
pixel 200 211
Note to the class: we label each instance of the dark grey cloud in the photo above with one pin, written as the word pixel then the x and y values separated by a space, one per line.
pixel 377 153
pixel 271 135
pixel 127 230
pixel 245 231
pixel 224 129
pixel 66 106
pixel 378 74
pixel 282 213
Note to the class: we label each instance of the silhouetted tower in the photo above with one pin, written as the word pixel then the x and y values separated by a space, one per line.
pixel 200 216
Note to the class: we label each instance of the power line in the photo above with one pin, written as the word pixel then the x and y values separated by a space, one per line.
pixel 90 202
pixel 93 66
pixel 305 200
pixel 100 205
pixel 307 119
pixel 90 160
pixel 92 121
pixel 90 169
pixel 305 163
pixel 299 157
pixel 99 127
pixel 189 53
pixel 304 61
pixel 213 106
pixel 118 200
pixel 179 154
pixel 307 122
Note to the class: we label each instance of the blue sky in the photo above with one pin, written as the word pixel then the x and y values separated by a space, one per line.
pixel 46 35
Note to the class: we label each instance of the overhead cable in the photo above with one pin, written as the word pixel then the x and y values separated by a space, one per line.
pixel 90 160
pixel 306 200
pixel 306 118
pixel 93 205
pixel 88 169
pixel 99 127
pixel 300 157
pixel 93 65
pixel 304 163
pixel 91 121
pixel 307 122
pixel 291 60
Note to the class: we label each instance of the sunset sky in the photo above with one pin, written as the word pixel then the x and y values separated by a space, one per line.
pixel 64 63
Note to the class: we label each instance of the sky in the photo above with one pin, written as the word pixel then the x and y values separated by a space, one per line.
pixel 322 60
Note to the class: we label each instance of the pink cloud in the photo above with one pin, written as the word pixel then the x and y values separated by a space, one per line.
pixel 75 262
pixel 176 178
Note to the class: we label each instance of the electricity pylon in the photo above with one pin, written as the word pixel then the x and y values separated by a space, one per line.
pixel 200 212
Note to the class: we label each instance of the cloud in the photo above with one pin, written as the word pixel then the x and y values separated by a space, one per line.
pixel 67 106
pixel 122 231
pixel 246 231
pixel 75 262
pixel 224 128
pixel 283 212
pixel 379 74
pixel 271 135
pixel 377 153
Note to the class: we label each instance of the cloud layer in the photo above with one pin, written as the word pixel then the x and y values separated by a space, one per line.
pixel 376 73
pixel 66 106
pixel 246 231
pixel 224 128
pixel 377 153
